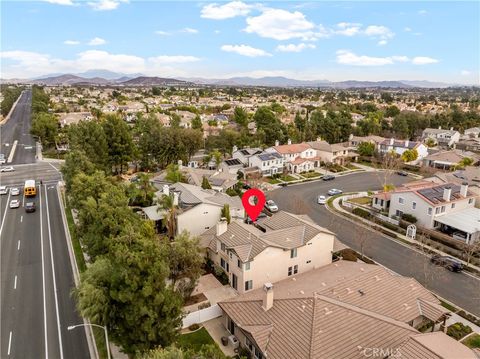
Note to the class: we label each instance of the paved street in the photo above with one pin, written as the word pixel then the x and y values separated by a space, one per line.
pixel 459 288
pixel 18 128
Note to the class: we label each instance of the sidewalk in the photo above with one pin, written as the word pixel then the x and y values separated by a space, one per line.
pixel 454 318
pixel 338 208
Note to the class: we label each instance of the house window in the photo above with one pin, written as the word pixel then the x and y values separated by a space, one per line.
pixel 398 213
pixel 470 201
pixel 223 247
pixel 376 200
pixel 293 253
pixel 295 269
pixel 443 209
pixel 414 205
pixel 222 263
pixel 429 210
pixel 437 210
pixel 308 262
pixel 401 200
pixel 290 271
pixel 453 205
pixel 247 266
pixel 234 281
pixel 239 263
pixel 248 284
pixel 231 256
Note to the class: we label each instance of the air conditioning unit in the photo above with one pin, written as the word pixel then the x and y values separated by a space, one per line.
pixel 233 340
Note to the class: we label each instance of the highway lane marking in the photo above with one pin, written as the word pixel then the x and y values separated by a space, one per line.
pixel 12 152
pixel 55 168
pixel 15 284
pixel 18 246
pixel 4 215
pixel 43 279
pixel 53 275
pixel 21 220
pixel 9 343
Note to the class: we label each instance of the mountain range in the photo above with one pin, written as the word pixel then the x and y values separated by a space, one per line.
pixel 105 78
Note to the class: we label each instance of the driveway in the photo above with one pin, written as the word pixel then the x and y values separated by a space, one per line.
pixel 459 288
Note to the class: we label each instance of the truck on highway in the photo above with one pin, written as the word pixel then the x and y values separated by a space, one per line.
pixel 30 189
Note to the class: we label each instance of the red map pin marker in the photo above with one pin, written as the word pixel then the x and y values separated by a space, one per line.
pixel 252 209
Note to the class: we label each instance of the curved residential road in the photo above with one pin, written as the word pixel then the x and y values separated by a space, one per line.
pixel 459 288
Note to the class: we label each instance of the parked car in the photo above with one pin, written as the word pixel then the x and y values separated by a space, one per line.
pixel 14 203
pixel 3 190
pixel 7 169
pixel 248 220
pixel 271 206
pixel 14 191
pixel 334 191
pixel 30 207
pixel 402 173
pixel 2 160
pixel 328 177
pixel 452 264
pixel 322 199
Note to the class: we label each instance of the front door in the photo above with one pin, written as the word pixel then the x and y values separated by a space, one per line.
pixel 231 326
pixel 234 281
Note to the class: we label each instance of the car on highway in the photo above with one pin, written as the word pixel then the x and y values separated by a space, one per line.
pixel 30 207
pixel 3 190
pixel 7 169
pixel 271 206
pixel 321 199
pixel 14 203
pixel 452 264
pixel 402 173
pixel 328 177
pixel 334 191
pixel 15 191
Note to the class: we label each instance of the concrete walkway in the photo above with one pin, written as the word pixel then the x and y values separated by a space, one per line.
pixel 338 208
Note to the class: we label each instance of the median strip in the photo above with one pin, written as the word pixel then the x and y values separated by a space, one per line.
pixel 12 151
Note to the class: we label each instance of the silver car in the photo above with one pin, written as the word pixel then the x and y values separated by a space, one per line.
pixel 14 203
pixel 334 192
pixel 14 191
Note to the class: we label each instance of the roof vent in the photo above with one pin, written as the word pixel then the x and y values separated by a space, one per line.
pixel 361 269
pixel 349 291
pixel 323 284
pixel 407 307
pixel 361 292
pixel 327 311
pixel 302 292
pixel 377 278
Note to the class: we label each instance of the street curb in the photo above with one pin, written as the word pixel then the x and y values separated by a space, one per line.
pixel 92 345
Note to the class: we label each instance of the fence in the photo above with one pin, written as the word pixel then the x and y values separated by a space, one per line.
pixel 387 219
pixel 202 315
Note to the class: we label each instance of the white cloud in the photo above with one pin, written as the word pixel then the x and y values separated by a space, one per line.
pixel 465 72
pixel 105 5
pixel 71 42
pixel 422 12
pixel 97 41
pixel 382 42
pixel 162 33
pixel 189 30
pixel 294 48
pixel 348 29
pixel 220 12
pixel 176 59
pixel 280 24
pixel 217 32
pixel 422 60
pixel 407 29
pixel 245 50
pixel 400 58
pixel 60 2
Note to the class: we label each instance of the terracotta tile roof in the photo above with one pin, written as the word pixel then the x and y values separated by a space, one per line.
pixel 293 148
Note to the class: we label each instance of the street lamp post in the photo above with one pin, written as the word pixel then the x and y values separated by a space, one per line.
pixel 70 327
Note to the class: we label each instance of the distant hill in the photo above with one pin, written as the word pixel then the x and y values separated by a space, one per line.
pixel 273 81
pixel 59 80
pixel 70 79
pixel 153 81
pixel 368 84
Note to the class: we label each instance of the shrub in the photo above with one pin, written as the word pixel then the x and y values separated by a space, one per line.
pixel 204 305
pixel 361 213
pixel 458 330
pixel 193 327
pixel 469 317
pixel 409 218
pixel 348 255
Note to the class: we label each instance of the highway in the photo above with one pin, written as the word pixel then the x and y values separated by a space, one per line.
pixel 459 288
pixel 17 128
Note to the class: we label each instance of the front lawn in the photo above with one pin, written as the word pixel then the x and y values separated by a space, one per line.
pixel 351 166
pixel 310 174
pixel 362 200
pixel 195 340
pixel 272 180
pixel 473 341
pixel 288 178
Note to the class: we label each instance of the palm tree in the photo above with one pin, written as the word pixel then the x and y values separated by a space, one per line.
pixel 144 185
pixel 167 204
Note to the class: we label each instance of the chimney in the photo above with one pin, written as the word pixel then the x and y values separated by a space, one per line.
pixel 447 193
pixel 222 226
pixel 350 137
pixel 234 149
pixel 407 143
pixel 166 190
pixel 451 128
pixel 268 296
pixel 439 127
pixel 277 143
pixel 392 140
pixel 289 141
pixel 319 139
pixel 180 165
pixel 175 198
pixel 464 189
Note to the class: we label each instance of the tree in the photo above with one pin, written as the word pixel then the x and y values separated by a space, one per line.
pixel 185 262
pixel 225 213
pixel 392 111
pixel 197 123
pixel 218 158
pixel 45 126
pixel 167 204
pixel 205 183
pixel 89 137
pixel 240 116
pixel 75 162
pixel 120 142
pixel 271 126
pixel 206 351
pixel 175 120
pixel 174 174
pixel 466 161
pixel 366 149
pixel 410 155
pixel 470 250
pixel 127 292
pixel 430 142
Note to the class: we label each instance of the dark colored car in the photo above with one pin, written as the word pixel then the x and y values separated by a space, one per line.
pixel 452 264
pixel 328 177
pixel 402 173
pixel 30 207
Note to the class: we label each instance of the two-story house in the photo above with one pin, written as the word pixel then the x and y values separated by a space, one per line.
pixel 244 154
pixel 250 257
pixel 447 159
pixel 444 138
pixel 298 157
pixel 268 163
pixel 333 153
pixel 447 207
pixel 399 147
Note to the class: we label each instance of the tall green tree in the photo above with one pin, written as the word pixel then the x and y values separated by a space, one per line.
pixel 366 149
pixel 120 142
pixel 76 162
pixel 410 155
pixel 174 174
pixel 89 137
pixel 170 209
pixel 205 183
pixel 240 116
pixel 225 213
pixel 270 125
pixel 197 123
pixel 45 126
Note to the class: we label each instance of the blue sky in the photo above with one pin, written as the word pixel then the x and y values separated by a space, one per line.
pixel 437 41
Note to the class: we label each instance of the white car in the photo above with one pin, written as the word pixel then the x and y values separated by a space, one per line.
pixel 14 191
pixel 334 192
pixel 2 161
pixel 14 203
pixel 7 169
pixel 271 206
pixel 3 190
pixel 321 199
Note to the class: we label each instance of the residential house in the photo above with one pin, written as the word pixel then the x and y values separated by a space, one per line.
pixel 268 163
pixel 447 159
pixel 71 118
pixel 447 207
pixel 473 132
pixel 244 154
pixel 335 153
pixel 469 144
pixel 399 147
pixel 470 175
pixel 220 180
pixel 251 257
pixel 354 141
pixel 198 209
pixel 341 310
pixel 299 157
pixel 444 138
pixel 232 165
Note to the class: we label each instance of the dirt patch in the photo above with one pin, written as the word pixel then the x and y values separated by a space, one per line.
pixel 195 299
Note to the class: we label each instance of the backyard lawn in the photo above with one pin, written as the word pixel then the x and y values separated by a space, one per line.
pixel 195 340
